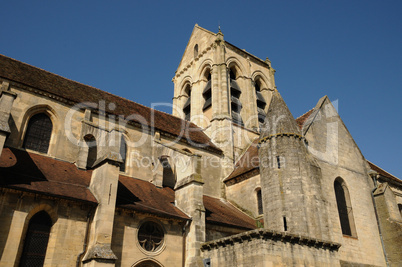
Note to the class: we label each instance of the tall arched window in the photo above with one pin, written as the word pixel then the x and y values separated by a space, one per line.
pixel 38 133
pixel 235 98
pixel 207 93
pixel 261 104
pixel 123 154
pixel 259 202
pixel 36 240
pixel 344 208
pixel 187 105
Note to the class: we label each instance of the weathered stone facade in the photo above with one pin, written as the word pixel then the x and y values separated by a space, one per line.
pixel 230 179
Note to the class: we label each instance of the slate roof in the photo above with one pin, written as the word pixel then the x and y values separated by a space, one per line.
pixel 35 173
pixel 75 92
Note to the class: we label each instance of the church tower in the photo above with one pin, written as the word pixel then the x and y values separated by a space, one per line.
pixel 224 90
pixel 291 179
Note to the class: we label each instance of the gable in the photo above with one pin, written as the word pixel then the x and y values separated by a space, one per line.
pixel 329 139
pixel 201 37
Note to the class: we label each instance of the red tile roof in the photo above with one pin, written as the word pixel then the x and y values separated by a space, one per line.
pixel 31 172
pixel 221 212
pixel 75 92
pixel 303 118
pixel 142 196
pixel 27 171
pixel 248 161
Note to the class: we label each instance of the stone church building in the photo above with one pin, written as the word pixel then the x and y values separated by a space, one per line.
pixel 88 178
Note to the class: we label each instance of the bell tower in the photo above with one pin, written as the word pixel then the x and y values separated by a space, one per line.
pixel 224 90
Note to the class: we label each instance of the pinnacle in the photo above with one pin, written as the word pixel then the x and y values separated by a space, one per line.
pixel 279 119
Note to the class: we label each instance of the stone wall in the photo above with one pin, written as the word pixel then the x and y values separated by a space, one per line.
pixel 268 248
pixel 67 234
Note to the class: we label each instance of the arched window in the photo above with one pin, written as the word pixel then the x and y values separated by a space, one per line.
pixel 207 93
pixel 344 208
pixel 123 154
pixel 92 156
pixel 36 240
pixel 147 263
pixel 259 202
pixel 400 208
pixel 235 98
pixel 187 105
pixel 261 104
pixel 38 133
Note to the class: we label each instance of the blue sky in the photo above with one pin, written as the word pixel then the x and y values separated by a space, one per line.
pixel 348 50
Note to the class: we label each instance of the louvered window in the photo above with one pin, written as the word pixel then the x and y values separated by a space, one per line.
pixel 207 94
pixel 36 240
pixel 38 133
pixel 235 103
pixel 261 104
pixel 187 105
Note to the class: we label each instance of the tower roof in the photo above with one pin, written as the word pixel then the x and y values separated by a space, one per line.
pixel 279 119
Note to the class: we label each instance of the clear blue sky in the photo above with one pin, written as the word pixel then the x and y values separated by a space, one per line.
pixel 348 50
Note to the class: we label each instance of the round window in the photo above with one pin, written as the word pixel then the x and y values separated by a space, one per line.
pixel 150 236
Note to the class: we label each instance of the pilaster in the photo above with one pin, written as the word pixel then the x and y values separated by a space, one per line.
pixel 6 103
pixel 103 185
pixel 189 198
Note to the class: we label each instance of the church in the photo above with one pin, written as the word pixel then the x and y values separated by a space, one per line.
pixel 230 178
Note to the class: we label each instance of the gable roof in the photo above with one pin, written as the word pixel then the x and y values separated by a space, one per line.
pixel 75 92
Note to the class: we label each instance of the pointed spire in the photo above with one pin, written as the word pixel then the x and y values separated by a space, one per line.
pixel 279 119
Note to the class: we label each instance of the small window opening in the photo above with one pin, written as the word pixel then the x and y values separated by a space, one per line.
pixel 278 161
pixel 123 154
pixel 38 133
pixel 259 202
pixel 285 225
pixel 196 51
